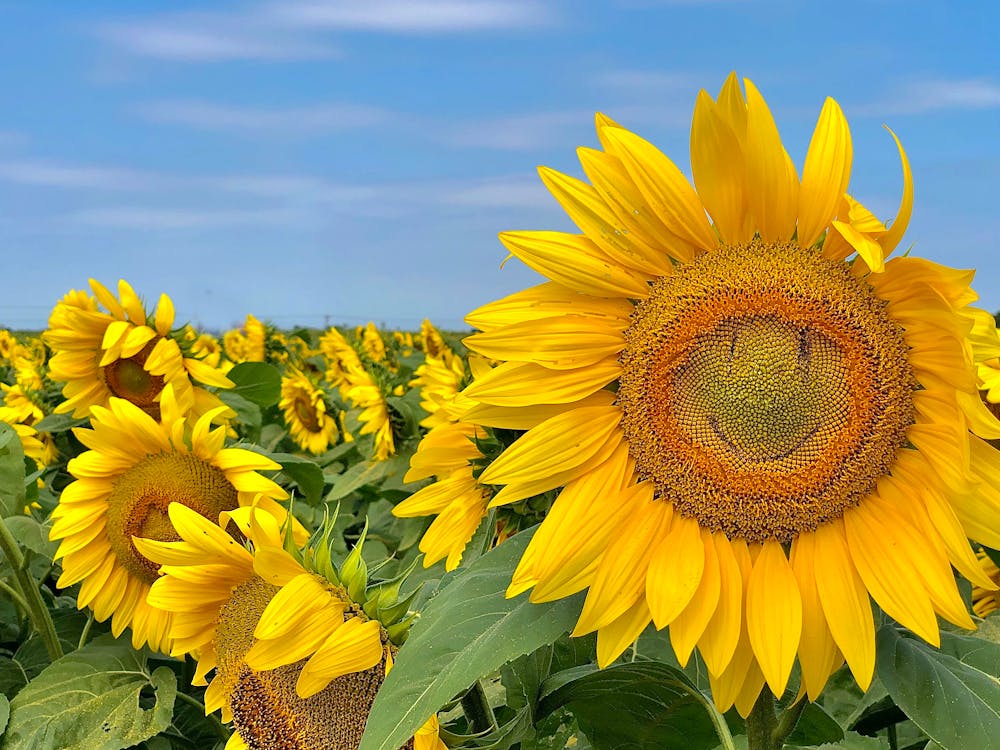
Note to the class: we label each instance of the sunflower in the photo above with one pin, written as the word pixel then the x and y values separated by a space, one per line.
pixel 439 379
pixel 134 469
pixel 372 344
pixel 364 392
pixel 299 648
pixel 119 353
pixel 304 408
pixel 758 420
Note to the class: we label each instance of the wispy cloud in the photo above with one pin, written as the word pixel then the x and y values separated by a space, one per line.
pixel 412 16
pixel 208 115
pixel 515 133
pixel 156 218
pixel 931 95
pixel 46 174
pixel 209 38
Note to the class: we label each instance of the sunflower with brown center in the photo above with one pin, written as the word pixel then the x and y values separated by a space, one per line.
pixel 758 419
pixel 135 468
pixel 299 647
pixel 304 408
pixel 121 353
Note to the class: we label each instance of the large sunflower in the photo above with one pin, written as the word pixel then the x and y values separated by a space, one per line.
pixel 134 469
pixel 759 420
pixel 120 353
pixel 298 655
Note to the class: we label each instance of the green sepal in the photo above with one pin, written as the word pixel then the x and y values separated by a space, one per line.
pixel 399 631
pixel 322 557
pixel 354 570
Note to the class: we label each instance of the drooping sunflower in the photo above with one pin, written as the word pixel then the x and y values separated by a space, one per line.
pixel 246 344
pixel 120 353
pixel 304 408
pixel 372 343
pixel 299 647
pixel 758 419
pixel 124 484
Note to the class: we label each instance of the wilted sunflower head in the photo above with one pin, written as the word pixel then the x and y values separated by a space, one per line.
pixel 119 352
pixel 135 468
pixel 758 419
pixel 299 644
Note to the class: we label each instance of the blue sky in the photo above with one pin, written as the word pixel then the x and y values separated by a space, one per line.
pixel 336 161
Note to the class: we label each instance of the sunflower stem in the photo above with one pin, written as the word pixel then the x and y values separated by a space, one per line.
pixel 38 613
pixel 787 721
pixel 762 721
pixel 478 710
pixel 14 594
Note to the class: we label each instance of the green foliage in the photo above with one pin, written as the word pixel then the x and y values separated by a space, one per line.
pixel 11 472
pixel 257 382
pixel 467 631
pixel 101 697
pixel 953 694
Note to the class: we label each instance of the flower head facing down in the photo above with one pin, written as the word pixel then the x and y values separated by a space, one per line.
pixel 759 420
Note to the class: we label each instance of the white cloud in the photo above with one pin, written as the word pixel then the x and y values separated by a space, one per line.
pixel 45 174
pixel 411 16
pixel 293 120
pixel 931 95
pixel 156 218
pixel 204 38
pixel 516 133
pixel 499 193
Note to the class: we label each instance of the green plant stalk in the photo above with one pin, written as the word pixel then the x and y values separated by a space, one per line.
pixel 37 611
pixel 762 721
pixel 477 709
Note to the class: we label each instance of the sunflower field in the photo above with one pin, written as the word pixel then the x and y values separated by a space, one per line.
pixel 727 479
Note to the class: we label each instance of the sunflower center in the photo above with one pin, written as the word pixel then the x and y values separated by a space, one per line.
pixel 269 714
pixel 764 390
pixel 306 414
pixel 140 497
pixel 128 378
pixel 234 627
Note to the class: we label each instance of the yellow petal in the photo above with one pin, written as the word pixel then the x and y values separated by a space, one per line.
pixel 558 444
pixel 718 642
pixel 575 262
pixel 897 229
pixel 353 647
pixel 818 654
pixel 164 320
pixel 717 167
pixel 614 638
pixel 546 300
pixel 619 581
pixel 826 173
pixel 687 628
pixel 595 219
pixel 667 190
pixel 774 615
pixel 676 565
pixel 772 183
pixel 526 383
pixel 131 303
pixel 885 564
pixel 564 343
pixel 867 249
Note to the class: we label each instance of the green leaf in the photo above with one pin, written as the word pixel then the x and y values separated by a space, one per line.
pixel 948 697
pixel 814 727
pixel 4 712
pixel 258 382
pixel 247 412
pixel 644 704
pixel 305 472
pixel 56 423
pixel 33 535
pixel 11 472
pixel 854 741
pixel 358 476
pixel 468 630
pixel 92 699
